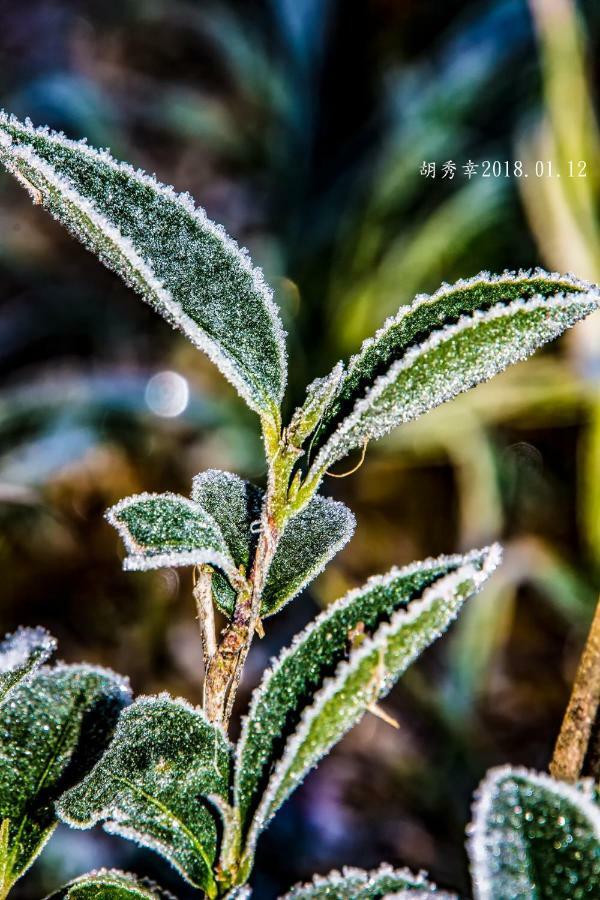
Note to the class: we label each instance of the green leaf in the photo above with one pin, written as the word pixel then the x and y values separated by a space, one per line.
pixel 161 530
pixel 338 666
pixel 310 540
pixel 21 653
pixel 53 728
pixel 320 395
pixel 165 248
pixel 532 836
pixel 110 884
pixel 153 783
pixel 356 884
pixel 442 345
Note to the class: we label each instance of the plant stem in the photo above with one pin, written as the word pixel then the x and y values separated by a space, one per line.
pixel 573 739
pixel 206 612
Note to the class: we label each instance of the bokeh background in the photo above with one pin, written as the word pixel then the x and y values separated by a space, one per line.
pixel 301 125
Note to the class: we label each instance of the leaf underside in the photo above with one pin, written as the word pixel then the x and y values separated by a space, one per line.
pixel 53 728
pixel 342 662
pixel 152 785
pixel 443 345
pixel 310 540
pixel 165 248
pixel 532 836
pixel 110 884
pixel 356 884
pixel 21 653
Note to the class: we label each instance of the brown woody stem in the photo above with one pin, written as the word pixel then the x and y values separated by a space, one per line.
pixel 574 737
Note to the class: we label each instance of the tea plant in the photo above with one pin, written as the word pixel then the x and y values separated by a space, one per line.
pixel 163 773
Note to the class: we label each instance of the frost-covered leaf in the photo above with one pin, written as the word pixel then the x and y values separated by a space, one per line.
pixel 164 247
pixel 442 345
pixel 153 782
pixel 356 884
pixel 168 530
pixel 319 397
pixel 112 885
pixel 338 666
pixel 21 653
pixel 53 728
pixel 534 837
pixel 310 540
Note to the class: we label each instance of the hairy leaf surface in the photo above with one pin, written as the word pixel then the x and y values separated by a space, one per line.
pixel 356 884
pixel 53 728
pixel 533 837
pixel 340 664
pixel 153 782
pixel 442 345
pixel 110 884
pixel 168 530
pixel 21 653
pixel 310 540
pixel 164 247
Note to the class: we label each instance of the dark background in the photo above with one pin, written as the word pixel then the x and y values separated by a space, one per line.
pixel 301 125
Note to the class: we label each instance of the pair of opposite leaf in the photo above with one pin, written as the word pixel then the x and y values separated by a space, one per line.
pixel 148 782
pixel 530 837
pixel 198 279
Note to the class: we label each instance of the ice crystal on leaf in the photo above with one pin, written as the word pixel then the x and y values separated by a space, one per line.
pixel 534 837
pixel 168 530
pixel 153 783
pixel 110 884
pixel 310 539
pixel 164 247
pixel 21 654
pixel 442 345
pixel 356 884
pixel 53 728
pixel 321 685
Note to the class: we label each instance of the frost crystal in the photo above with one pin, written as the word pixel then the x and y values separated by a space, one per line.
pixel 532 836
pixel 152 785
pixel 21 654
pixel 444 344
pixel 53 728
pixel 164 247
pixel 356 884
pixel 322 684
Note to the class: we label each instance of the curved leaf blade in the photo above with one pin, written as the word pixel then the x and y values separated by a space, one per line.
pixel 356 884
pixel 532 836
pixel 165 248
pixel 53 728
pixel 443 345
pixel 21 653
pixel 310 540
pixel 153 782
pixel 161 530
pixel 395 618
pixel 110 884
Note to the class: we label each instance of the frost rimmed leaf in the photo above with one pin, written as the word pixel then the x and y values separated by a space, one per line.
pixel 152 785
pixel 168 530
pixel 53 729
pixel 532 836
pixel 164 247
pixel 338 666
pixel 21 653
pixel 444 344
pixel 310 540
pixel 356 884
pixel 112 885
